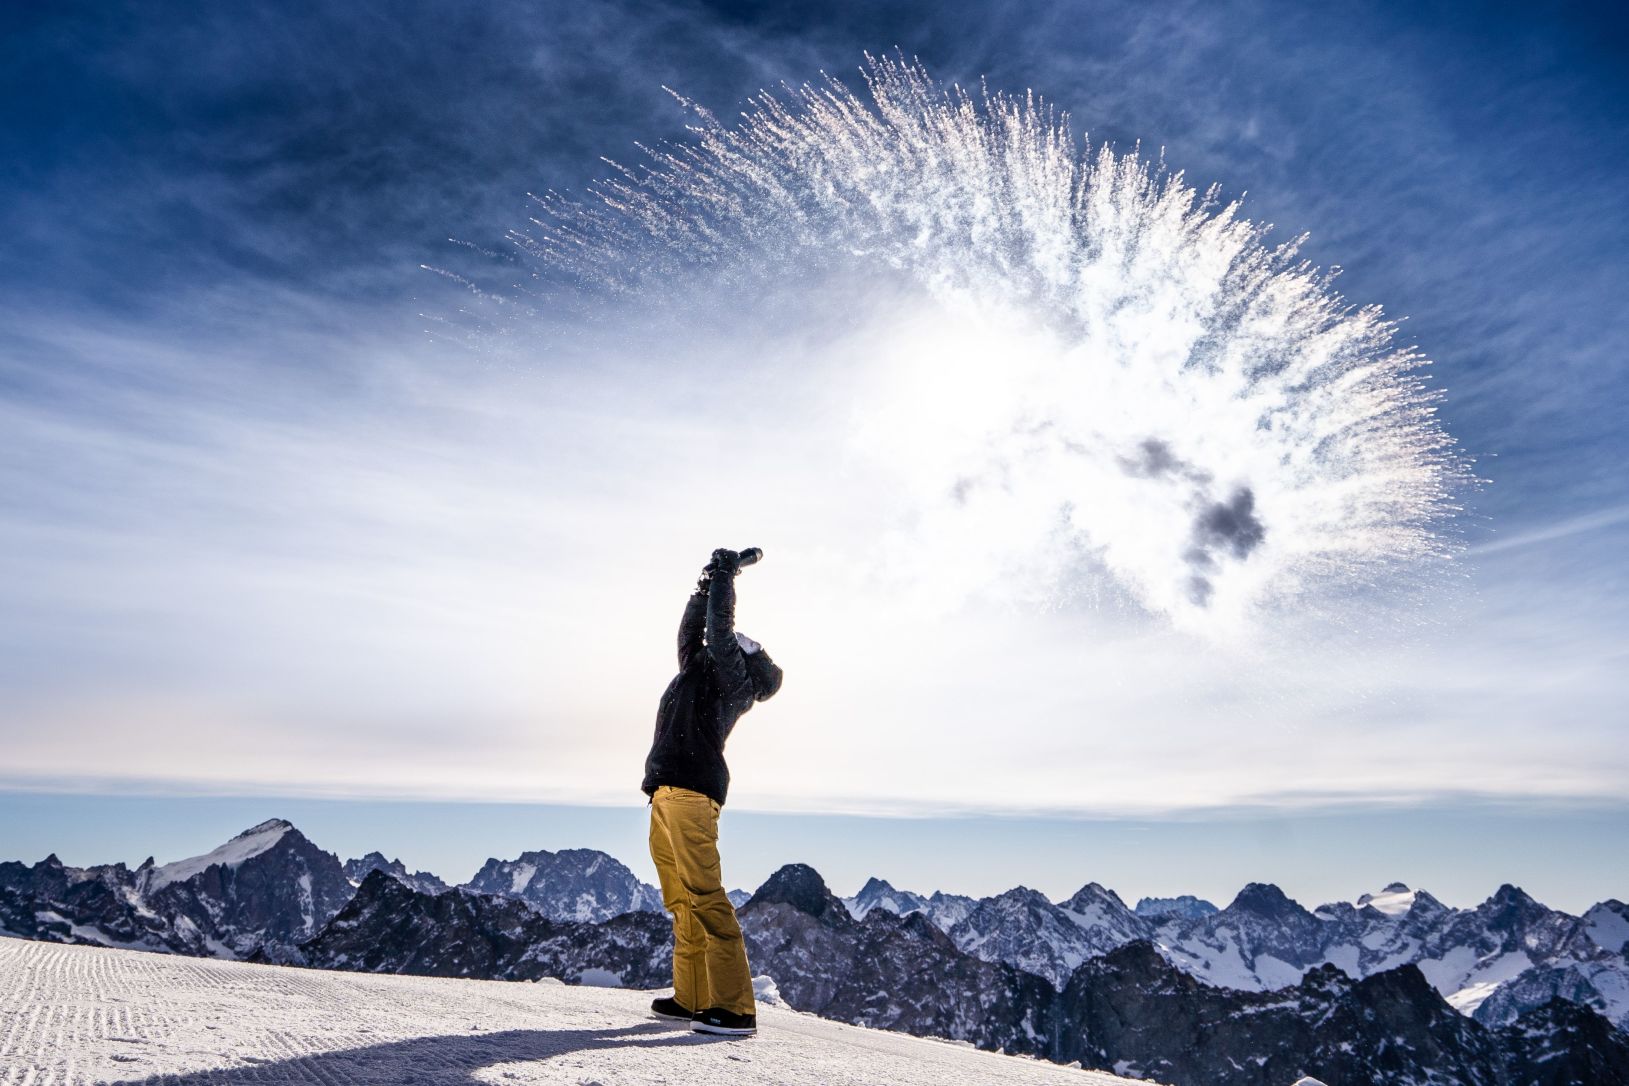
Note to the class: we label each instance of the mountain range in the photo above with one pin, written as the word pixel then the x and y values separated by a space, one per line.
pixel 1174 989
pixel 1507 955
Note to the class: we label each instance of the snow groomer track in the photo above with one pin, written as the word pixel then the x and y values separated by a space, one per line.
pixel 80 1015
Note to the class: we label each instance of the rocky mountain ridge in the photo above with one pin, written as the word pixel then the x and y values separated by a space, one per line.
pixel 939 964
pixel 1131 1011
pixel 268 886
pixel 1495 961
pixel 572 884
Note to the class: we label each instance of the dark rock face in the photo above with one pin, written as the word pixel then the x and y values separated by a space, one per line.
pixel 267 885
pixel 422 881
pixel 1133 1009
pixel 572 884
pixel 388 927
pixel 1563 1044
pixel 802 888
pixel 887 971
pixel 60 904
pixel 1586 984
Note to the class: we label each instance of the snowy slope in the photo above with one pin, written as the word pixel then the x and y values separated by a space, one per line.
pixel 86 1014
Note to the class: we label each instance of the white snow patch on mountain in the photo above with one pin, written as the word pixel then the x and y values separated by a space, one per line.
pixel 1608 925
pixel 521 877
pixel 1394 900
pixel 246 845
pixel 87 1014
pixel 1466 980
pixel 1472 996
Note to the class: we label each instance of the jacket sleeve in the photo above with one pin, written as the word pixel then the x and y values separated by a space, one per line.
pixel 691 627
pixel 721 644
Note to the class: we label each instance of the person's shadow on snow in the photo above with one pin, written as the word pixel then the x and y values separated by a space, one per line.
pixel 435 1061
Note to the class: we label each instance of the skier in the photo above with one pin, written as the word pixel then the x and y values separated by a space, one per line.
pixel 721 674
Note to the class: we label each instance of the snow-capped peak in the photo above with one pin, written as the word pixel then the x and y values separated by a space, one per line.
pixel 1395 900
pixel 1607 925
pixel 246 845
pixel 880 894
pixel 1095 894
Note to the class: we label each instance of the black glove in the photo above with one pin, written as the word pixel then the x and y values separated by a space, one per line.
pixel 726 562
pixel 705 579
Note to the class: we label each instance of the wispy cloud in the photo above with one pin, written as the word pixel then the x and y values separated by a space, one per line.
pixel 1587 522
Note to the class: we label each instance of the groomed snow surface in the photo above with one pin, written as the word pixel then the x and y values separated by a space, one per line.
pixel 72 1016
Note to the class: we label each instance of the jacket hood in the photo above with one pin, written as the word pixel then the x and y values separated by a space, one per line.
pixel 765 675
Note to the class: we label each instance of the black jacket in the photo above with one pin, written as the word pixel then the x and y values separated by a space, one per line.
pixel 705 699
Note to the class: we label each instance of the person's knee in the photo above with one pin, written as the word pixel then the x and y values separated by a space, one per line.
pixel 717 916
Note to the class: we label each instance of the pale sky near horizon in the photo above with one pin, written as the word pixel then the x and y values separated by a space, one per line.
pixel 260 535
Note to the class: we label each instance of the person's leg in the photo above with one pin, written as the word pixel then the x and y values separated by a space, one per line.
pixel 693 832
pixel 690 988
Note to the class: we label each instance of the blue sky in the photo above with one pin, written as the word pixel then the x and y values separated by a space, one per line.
pixel 261 535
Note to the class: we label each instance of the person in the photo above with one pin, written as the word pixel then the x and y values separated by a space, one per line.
pixel 722 674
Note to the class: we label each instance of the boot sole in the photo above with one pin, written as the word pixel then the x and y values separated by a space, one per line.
pixel 670 1017
pixel 723 1031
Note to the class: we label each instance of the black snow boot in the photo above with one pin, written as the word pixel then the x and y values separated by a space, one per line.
pixel 668 1007
pixel 727 1023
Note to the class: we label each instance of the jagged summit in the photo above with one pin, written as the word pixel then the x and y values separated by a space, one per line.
pixel 1265 900
pixel 572 884
pixel 1396 899
pixel 1138 958
pixel 1184 907
pixel 271 825
pixel 1023 894
pixel 801 887
pixel 422 881
pixel 881 894
pixel 252 842
pixel 1510 896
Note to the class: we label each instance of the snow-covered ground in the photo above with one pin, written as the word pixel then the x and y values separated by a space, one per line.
pixel 72 1015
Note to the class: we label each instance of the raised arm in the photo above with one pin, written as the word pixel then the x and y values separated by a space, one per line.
pixel 721 644
pixel 692 625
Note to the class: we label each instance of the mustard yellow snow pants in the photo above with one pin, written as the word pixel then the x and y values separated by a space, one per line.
pixel 709 956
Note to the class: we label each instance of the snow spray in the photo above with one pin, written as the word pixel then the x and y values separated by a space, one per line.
pixel 1112 379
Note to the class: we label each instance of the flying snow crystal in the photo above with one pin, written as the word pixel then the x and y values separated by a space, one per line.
pixel 1084 374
